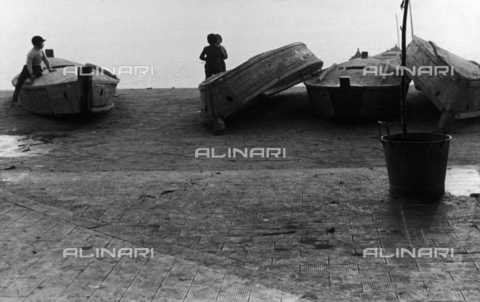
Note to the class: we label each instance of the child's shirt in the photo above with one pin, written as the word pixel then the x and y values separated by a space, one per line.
pixel 35 57
pixel 225 52
pixel 212 53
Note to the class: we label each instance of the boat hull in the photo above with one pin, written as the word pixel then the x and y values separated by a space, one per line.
pixel 347 90
pixel 67 99
pixel 63 92
pixel 357 102
pixel 457 93
pixel 263 75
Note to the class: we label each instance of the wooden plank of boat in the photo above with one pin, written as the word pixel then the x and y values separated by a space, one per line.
pixel 449 81
pixel 267 73
pixel 390 55
pixel 364 87
pixel 63 92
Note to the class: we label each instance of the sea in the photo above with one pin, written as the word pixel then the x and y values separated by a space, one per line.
pixel 156 44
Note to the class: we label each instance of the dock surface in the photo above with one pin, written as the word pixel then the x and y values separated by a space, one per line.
pixel 292 228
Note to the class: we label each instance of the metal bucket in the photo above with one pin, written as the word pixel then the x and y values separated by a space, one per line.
pixel 417 165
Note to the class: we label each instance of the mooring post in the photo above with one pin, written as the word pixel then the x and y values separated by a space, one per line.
pixel 344 82
pixel 218 122
pixel 49 53
pixel 85 75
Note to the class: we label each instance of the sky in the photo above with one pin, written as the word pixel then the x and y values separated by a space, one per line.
pixel 168 35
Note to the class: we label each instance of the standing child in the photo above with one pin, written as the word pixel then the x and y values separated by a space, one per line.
pixel 33 69
pixel 212 55
pixel 219 41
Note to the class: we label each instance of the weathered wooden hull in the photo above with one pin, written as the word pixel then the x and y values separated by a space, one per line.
pixel 265 74
pixel 63 92
pixel 390 55
pixel 456 93
pixel 357 102
pixel 357 95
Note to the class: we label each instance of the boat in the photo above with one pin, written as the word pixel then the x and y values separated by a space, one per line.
pixel 263 75
pixel 450 82
pixel 357 55
pixel 73 88
pixel 361 87
pixel 390 55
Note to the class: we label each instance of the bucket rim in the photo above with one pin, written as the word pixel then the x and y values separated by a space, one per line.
pixel 429 138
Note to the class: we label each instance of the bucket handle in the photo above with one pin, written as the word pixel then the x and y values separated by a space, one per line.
pixel 380 123
pixel 444 136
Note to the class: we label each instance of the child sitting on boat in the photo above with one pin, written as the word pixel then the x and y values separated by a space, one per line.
pixel 33 68
pixel 212 55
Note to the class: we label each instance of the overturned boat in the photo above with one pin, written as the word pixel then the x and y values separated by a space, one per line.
pixel 390 55
pixel 72 89
pixel 360 87
pixel 449 81
pixel 263 75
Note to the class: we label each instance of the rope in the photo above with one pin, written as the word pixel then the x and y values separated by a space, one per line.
pixel 475 63
pixel 436 53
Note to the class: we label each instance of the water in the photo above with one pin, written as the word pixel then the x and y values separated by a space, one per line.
pixel 462 181
pixel 20 146
pixel 168 35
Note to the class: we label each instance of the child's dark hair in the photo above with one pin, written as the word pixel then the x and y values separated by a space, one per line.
pixel 212 39
pixel 37 40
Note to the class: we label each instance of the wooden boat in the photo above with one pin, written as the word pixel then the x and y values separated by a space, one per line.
pixel 390 55
pixel 73 88
pixel 362 87
pixel 450 82
pixel 263 75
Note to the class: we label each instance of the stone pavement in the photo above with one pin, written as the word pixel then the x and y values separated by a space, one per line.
pixel 224 229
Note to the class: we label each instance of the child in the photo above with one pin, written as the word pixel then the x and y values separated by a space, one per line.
pixel 219 41
pixel 212 55
pixel 33 69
